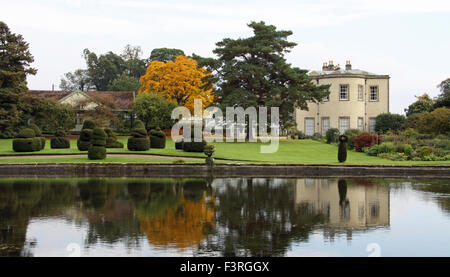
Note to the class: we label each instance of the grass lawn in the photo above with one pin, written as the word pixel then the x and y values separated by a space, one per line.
pixel 289 152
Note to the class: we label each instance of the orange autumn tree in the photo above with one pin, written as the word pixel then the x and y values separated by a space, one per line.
pixel 180 81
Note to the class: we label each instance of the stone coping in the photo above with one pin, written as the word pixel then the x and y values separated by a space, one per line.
pixel 219 170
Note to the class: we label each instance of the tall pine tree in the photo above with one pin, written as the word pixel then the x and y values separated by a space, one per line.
pixel 15 60
pixel 253 72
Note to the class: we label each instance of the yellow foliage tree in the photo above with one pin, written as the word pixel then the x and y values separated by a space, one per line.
pixel 180 81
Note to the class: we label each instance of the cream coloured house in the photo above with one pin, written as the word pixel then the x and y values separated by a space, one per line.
pixel 356 98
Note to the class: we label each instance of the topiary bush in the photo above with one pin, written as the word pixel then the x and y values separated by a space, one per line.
pixel 193 146
pixel 332 135
pixel 84 141
pixel 157 139
pixel 179 144
pixel 59 141
pixel 111 139
pixel 26 141
pixel 342 152
pixel 139 140
pixel 97 149
pixel 38 134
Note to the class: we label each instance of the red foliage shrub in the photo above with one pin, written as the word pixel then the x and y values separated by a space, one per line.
pixel 365 140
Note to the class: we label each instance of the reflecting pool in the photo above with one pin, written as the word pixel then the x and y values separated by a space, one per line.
pixel 224 217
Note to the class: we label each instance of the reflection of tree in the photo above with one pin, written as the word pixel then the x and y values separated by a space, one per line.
pixel 260 220
pixel 22 199
pixel 185 225
pixel 93 193
pixel 173 212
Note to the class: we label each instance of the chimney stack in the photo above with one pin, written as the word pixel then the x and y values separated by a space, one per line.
pixel 324 66
pixel 348 65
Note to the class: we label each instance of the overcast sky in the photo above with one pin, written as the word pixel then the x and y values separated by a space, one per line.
pixel 408 40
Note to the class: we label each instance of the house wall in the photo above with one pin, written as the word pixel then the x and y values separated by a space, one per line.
pixel 353 108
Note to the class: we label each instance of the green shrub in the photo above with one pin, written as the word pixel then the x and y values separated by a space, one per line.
pixel 98 137
pixel 84 141
pixel 351 133
pixel 37 131
pixel 424 151
pixel 342 152
pixel 26 144
pixel 111 139
pixel 179 144
pixel 60 133
pixel 59 143
pixel 97 149
pixel 373 151
pixel 332 135
pixel 26 133
pixel 193 146
pixel 157 139
pixel 138 144
pixel 97 152
pixel 301 135
pixel 139 133
pixel 43 140
pixel 408 150
pixel 88 124
pixel 386 147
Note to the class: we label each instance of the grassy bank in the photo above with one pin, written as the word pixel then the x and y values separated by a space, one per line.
pixel 289 152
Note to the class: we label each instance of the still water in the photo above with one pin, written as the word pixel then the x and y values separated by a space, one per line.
pixel 224 217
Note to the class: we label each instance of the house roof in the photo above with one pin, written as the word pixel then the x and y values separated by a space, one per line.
pixel 124 99
pixel 345 73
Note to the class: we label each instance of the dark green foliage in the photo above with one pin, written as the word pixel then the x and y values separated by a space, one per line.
pixel 15 60
pixel 179 144
pixel 111 139
pixel 253 71
pixel 139 140
pixel 194 146
pixel 165 54
pixel 97 152
pixel 97 149
pixel 332 135
pixel 157 139
pixel 59 142
pixel 84 141
pixel 98 137
pixel 42 140
pixel 60 133
pixel 27 144
pixel 342 152
pixel 155 110
pixel 351 133
pixel 389 121
pixel 36 130
pixel 26 133
pixel 139 133
pixel 88 124
pixel 138 144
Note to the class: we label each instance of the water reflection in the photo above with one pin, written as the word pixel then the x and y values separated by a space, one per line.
pixel 197 216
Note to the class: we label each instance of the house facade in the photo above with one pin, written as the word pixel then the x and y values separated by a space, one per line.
pixel 123 99
pixel 356 98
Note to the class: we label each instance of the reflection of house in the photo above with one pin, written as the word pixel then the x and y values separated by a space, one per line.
pixel 364 206
pixel 123 100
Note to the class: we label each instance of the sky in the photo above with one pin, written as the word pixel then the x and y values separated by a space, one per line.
pixel 407 40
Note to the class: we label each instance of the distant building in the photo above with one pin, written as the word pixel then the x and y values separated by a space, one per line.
pixel 123 99
pixel 356 98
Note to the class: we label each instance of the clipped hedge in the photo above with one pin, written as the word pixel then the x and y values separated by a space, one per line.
pixel 97 149
pixel 138 144
pixel 26 144
pixel 97 152
pixel 111 139
pixel 59 143
pixel 139 140
pixel 84 140
pixel 179 144
pixel 88 124
pixel 193 146
pixel 36 130
pixel 157 139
